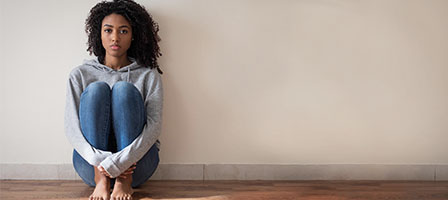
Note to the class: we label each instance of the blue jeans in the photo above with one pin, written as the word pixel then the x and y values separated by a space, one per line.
pixel 110 120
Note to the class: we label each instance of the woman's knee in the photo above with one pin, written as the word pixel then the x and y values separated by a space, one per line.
pixel 123 86
pixel 97 88
pixel 124 89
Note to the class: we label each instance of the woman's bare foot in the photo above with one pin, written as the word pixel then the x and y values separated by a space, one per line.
pixel 102 188
pixel 122 189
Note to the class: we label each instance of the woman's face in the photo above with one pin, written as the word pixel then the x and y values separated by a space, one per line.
pixel 116 35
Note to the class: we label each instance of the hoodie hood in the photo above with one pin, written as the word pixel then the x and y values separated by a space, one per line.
pixel 97 65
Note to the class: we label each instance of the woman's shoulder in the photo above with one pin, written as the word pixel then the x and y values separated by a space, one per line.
pixel 76 73
pixel 84 68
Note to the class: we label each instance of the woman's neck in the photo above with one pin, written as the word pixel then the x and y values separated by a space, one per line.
pixel 116 62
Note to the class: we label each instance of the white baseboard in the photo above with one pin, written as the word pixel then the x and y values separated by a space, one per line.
pixel 247 172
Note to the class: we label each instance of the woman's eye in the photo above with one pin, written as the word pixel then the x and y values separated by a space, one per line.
pixel 124 31
pixel 107 30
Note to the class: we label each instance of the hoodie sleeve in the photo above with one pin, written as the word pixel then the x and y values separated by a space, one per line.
pixel 118 162
pixel 73 128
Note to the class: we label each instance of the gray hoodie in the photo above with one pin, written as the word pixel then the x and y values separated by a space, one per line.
pixel 147 81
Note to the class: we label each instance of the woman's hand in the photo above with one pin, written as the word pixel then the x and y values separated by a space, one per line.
pixel 125 174
pixel 128 172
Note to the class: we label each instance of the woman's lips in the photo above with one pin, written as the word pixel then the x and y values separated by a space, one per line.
pixel 114 47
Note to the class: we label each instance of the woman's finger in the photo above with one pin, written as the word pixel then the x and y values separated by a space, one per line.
pixel 127 173
pixel 124 175
pixel 130 170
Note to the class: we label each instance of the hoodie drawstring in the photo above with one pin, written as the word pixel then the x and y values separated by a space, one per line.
pixel 129 71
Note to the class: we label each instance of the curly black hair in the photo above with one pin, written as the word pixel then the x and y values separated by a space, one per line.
pixel 144 48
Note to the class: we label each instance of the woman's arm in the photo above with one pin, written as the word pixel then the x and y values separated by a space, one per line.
pixel 119 162
pixel 73 128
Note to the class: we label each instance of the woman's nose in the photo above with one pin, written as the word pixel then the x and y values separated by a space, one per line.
pixel 115 37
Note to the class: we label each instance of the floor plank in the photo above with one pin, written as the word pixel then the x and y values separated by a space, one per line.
pixel 258 190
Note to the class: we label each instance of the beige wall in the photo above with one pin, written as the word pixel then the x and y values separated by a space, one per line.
pixel 250 81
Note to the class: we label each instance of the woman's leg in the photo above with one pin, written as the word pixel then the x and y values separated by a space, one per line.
pixel 129 118
pixel 94 117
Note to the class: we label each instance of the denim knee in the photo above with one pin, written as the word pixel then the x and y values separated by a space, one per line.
pixel 124 89
pixel 98 88
pixel 123 86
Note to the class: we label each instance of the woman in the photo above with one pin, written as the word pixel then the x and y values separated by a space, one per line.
pixel 114 102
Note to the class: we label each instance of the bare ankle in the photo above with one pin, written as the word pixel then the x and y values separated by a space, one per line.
pixel 105 181
pixel 127 180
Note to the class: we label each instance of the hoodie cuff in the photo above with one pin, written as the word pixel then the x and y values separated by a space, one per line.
pixel 110 167
pixel 96 159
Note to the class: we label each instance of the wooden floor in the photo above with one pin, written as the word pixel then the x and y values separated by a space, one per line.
pixel 334 190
